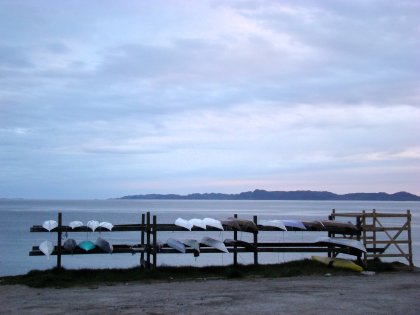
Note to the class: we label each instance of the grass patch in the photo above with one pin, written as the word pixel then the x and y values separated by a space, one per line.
pixel 86 277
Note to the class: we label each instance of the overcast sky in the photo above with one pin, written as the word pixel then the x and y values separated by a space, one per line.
pixel 108 98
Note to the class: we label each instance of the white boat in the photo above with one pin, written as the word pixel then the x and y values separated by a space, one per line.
pixel 213 223
pixel 49 225
pixel 274 223
pixel 106 225
pixel 294 224
pixel 194 244
pixel 93 225
pixel 214 243
pixel 75 224
pixel 343 241
pixel 175 244
pixel 183 223
pixel 47 248
pixel 198 223
pixel 104 245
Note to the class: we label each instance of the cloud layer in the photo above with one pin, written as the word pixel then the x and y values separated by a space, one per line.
pixel 100 100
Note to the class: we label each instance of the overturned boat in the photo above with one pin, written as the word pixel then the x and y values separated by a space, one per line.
pixel 104 245
pixel 211 242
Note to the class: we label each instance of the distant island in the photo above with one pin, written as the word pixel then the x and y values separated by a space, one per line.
pixel 259 194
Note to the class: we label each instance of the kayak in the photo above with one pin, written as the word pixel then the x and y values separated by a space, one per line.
pixel 104 245
pixel 198 223
pixel 49 225
pixel 175 244
pixel 294 224
pixel 274 223
pixel 213 223
pixel 194 244
pixel 47 248
pixel 343 241
pixel 70 245
pixel 93 225
pixel 75 224
pixel 183 223
pixel 338 263
pixel 87 245
pixel 211 242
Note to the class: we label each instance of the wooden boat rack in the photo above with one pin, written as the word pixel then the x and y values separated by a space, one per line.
pixel 149 248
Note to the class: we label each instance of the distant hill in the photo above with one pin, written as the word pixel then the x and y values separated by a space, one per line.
pixel 259 194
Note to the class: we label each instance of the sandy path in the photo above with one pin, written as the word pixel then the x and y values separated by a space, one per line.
pixel 397 293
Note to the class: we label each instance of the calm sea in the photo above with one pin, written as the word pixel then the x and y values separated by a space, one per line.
pixel 17 216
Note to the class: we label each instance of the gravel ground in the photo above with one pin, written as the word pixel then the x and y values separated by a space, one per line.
pixel 391 293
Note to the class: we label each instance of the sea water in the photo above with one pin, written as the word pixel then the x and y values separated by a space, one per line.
pixel 17 216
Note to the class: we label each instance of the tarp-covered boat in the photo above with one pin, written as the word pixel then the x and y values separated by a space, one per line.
pixel 245 225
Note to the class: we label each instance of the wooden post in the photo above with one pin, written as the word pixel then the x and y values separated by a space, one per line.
pixel 255 242
pixel 330 217
pixel 143 221
pixel 59 230
pixel 148 239
pixel 235 237
pixel 374 231
pixel 410 249
pixel 358 224
pixel 154 243
pixel 364 236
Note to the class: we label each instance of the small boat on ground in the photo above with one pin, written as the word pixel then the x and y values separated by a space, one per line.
pixel 343 241
pixel 211 242
pixel 49 225
pixel 194 244
pixel 198 223
pixel 274 223
pixel 213 223
pixel 87 246
pixel 175 244
pixel 93 225
pixel 70 245
pixel 75 224
pixel 47 248
pixel 338 263
pixel 183 223
pixel 294 224
pixel 104 245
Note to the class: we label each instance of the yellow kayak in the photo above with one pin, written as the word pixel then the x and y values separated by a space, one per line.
pixel 338 263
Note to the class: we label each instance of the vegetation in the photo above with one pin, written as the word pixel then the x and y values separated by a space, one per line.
pixel 87 277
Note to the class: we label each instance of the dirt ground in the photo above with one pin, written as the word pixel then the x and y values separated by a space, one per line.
pixel 392 293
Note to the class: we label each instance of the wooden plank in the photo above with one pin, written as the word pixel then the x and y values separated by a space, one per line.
pixel 410 249
pixel 154 243
pixel 143 221
pixel 148 239
pixel 255 242
pixel 387 242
